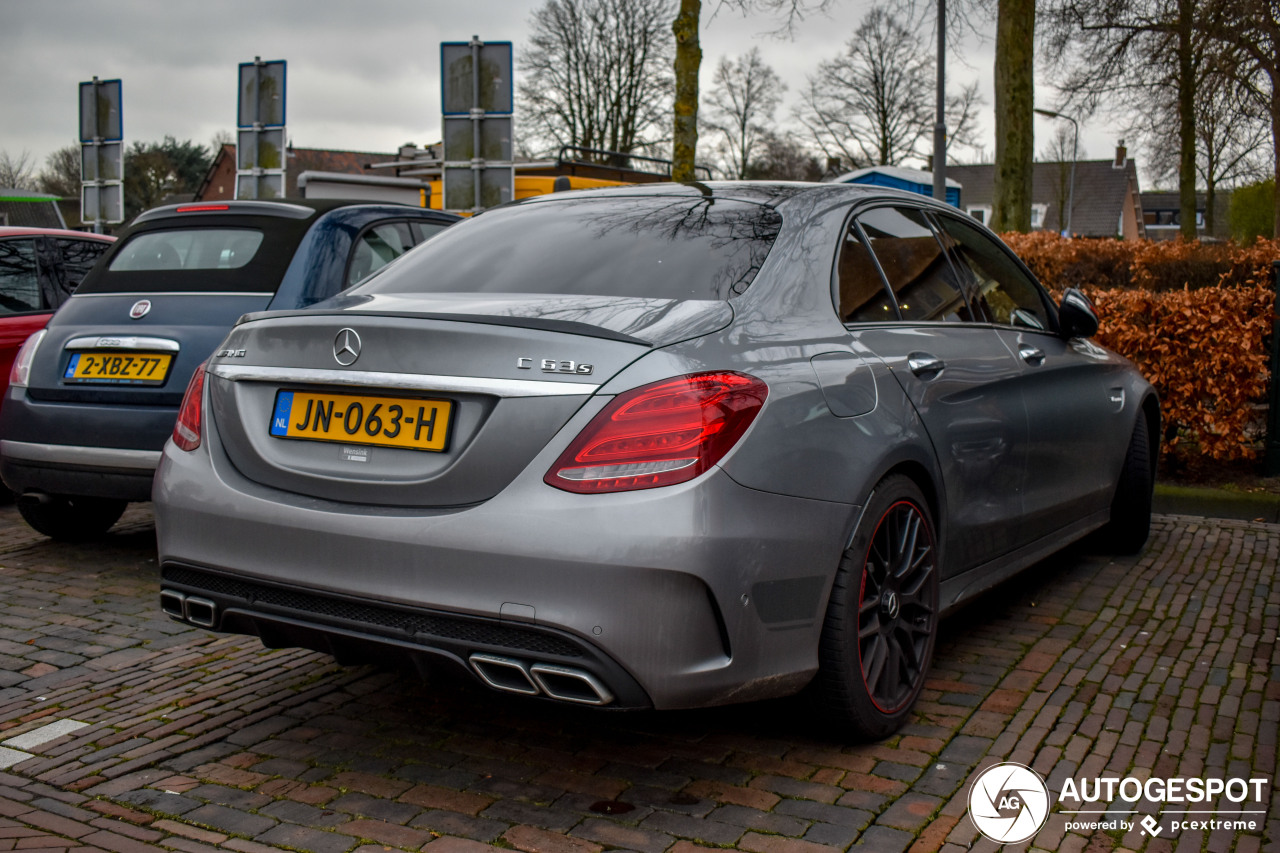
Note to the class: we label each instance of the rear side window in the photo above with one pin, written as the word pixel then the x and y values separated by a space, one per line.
pixel 920 275
pixel 863 298
pixel 191 249
pixel 19 286
pixel 377 247
pixel 670 247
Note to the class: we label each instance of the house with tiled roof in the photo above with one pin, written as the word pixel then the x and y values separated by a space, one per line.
pixel 1106 201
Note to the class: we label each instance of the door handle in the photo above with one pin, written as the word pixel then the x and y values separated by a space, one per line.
pixel 1031 355
pixel 925 365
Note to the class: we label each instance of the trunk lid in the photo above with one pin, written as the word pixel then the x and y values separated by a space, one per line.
pixel 322 402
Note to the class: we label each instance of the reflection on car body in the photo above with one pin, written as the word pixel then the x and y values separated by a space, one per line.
pixel 817 417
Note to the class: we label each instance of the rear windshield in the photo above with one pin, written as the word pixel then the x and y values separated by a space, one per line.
pixel 192 249
pixel 669 247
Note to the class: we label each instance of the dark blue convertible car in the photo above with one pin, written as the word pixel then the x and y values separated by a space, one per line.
pixel 93 397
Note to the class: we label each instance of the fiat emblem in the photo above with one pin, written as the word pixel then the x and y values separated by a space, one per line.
pixel 346 347
pixel 140 309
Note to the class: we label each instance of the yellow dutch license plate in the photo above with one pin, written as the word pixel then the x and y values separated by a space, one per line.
pixel 383 421
pixel 123 368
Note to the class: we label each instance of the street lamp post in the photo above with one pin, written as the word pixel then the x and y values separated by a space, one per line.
pixel 1075 142
pixel 940 125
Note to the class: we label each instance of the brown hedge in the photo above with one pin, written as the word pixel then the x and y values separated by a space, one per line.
pixel 1196 319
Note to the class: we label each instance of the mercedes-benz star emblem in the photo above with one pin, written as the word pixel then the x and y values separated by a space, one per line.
pixel 346 347
pixel 140 309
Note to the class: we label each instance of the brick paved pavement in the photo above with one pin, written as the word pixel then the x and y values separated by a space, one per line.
pixel 121 730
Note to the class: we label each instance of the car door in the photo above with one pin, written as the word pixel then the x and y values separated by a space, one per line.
pixel 1073 393
pixel 901 297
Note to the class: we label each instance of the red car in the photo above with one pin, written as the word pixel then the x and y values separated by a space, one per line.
pixel 39 269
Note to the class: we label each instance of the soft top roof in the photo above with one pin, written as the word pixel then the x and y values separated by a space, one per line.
pixel 288 208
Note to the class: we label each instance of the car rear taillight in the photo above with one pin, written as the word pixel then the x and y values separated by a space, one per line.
pixel 186 432
pixel 20 373
pixel 660 434
pixel 202 208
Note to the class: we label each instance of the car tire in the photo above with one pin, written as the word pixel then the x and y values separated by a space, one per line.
pixel 882 616
pixel 1130 524
pixel 70 519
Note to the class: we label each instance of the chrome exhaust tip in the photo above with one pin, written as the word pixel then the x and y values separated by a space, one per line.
pixel 570 685
pixel 200 611
pixel 171 604
pixel 506 674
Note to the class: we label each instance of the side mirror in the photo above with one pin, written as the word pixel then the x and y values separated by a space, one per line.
pixel 1077 318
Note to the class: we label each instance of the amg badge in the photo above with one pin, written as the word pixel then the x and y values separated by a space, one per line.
pixel 551 365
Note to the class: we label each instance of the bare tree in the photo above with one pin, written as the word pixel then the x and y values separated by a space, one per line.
pixel 1063 151
pixel 17 172
pixel 740 109
pixel 597 74
pixel 1250 29
pixel 61 173
pixel 1231 138
pixel 871 104
pixel 688 64
pixel 784 158
pixel 1131 55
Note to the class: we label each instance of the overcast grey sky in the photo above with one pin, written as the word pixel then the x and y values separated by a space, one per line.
pixel 361 75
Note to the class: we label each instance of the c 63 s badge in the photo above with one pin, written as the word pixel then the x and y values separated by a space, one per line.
pixel 551 365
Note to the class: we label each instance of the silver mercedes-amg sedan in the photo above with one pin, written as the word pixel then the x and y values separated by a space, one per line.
pixel 656 447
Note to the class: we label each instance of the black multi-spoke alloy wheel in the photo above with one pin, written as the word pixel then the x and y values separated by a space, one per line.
pixel 70 519
pixel 882 617
pixel 1130 522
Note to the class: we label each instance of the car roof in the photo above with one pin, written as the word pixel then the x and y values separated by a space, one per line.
pixel 23 231
pixel 772 193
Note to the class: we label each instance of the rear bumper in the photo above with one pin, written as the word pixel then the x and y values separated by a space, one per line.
pixel 44 447
pixel 698 594
pixel 62 469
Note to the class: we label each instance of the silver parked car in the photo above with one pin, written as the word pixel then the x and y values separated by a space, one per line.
pixel 656 447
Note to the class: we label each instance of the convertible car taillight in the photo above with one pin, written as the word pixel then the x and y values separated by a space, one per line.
pixel 660 434
pixel 20 373
pixel 186 432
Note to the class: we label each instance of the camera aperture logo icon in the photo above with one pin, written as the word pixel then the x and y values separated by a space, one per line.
pixel 1008 803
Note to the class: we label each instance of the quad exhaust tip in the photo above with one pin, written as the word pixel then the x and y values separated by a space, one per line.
pixel 189 608
pixel 558 682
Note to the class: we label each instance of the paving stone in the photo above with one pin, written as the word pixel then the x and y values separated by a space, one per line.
pixel 229 820
pixel 462 825
pixel 305 838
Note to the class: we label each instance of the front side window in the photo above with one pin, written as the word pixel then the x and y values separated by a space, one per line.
pixel 19 284
pixel 1004 293
pixel 919 274
pixel 188 249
